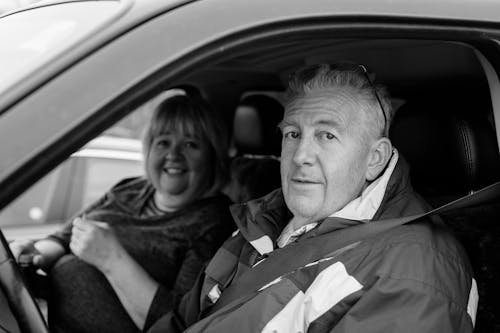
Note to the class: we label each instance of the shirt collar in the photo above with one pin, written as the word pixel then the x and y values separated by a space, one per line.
pixel 289 235
pixel 366 205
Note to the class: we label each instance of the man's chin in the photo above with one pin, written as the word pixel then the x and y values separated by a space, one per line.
pixel 306 208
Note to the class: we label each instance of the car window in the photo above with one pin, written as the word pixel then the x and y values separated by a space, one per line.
pixel 100 175
pixel 50 31
pixel 80 180
pixel 31 207
pixel 72 186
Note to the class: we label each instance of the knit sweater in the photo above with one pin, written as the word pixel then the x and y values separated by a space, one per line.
pixel 172 247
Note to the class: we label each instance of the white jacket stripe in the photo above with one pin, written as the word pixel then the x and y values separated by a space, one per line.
pixel 331 286
pixel 472 303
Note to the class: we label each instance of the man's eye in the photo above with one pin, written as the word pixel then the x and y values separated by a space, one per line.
pixel 327 135
pixel 291 135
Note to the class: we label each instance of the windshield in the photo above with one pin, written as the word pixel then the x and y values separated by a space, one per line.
pixel 29 39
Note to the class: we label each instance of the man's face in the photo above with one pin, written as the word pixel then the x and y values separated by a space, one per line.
pixel 324 155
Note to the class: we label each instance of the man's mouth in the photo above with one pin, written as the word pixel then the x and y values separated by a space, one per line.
pixel 305 181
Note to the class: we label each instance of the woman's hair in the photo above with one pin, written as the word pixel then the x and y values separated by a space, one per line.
pixel 191 114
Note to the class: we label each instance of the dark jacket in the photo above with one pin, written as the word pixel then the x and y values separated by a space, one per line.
pixel 413 278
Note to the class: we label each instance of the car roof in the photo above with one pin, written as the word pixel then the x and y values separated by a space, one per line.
pixel 481 10
pixel 130 13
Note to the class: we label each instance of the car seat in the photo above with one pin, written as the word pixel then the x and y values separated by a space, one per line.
pixel 451 155
pixel 255 167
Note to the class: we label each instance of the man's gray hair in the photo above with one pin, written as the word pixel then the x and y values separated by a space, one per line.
pixel 323 77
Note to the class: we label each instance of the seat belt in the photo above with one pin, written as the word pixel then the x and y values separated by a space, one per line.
pixel 297 255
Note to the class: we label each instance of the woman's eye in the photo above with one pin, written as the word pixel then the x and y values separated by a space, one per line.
pixel 162 143
pixel 191 144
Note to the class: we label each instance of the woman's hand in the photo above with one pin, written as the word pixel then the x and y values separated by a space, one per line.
pixel 95 243
pixel 25 253
pixel 43 253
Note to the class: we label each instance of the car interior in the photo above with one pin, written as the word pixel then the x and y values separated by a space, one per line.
pixel 444 127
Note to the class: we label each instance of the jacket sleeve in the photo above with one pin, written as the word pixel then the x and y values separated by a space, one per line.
pixel 178 319
pixel 166 299
pixel 195 303
pixel 194 261
pixel 402 305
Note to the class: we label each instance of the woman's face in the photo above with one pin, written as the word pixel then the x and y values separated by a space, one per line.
pixel 179 164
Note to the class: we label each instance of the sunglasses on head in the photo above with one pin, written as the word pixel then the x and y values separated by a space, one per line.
pixel 311 71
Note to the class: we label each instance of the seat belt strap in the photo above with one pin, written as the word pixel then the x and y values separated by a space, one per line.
pixel 298 254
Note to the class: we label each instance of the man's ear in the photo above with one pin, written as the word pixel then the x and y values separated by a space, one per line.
pixel 380 154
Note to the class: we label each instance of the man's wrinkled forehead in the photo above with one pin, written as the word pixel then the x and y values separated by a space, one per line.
pixel 339 105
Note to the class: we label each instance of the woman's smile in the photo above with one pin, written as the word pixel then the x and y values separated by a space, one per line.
pixel 175 171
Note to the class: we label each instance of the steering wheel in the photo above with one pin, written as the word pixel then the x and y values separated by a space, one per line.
pixel 21 301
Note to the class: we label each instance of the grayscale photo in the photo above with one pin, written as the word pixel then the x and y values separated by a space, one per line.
pixel 326 166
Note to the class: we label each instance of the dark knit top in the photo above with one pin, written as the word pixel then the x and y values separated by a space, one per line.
pixel 172 247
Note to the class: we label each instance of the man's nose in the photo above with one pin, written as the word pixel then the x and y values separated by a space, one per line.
pixel 305 152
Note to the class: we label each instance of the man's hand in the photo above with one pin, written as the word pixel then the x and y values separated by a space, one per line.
pixel 95 243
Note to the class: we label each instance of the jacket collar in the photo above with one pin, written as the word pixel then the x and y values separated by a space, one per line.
pixel 366 205
pixel 262 220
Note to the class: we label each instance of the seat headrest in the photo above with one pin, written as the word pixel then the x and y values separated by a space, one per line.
pixel 449 153
pixel 255 124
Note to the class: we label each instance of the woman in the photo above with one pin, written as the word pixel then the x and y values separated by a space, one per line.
pixel 147 238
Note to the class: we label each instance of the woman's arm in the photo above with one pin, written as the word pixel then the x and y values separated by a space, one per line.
pixel 134 287
pixel 95 243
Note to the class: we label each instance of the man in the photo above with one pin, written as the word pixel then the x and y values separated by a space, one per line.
pixel 338 171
